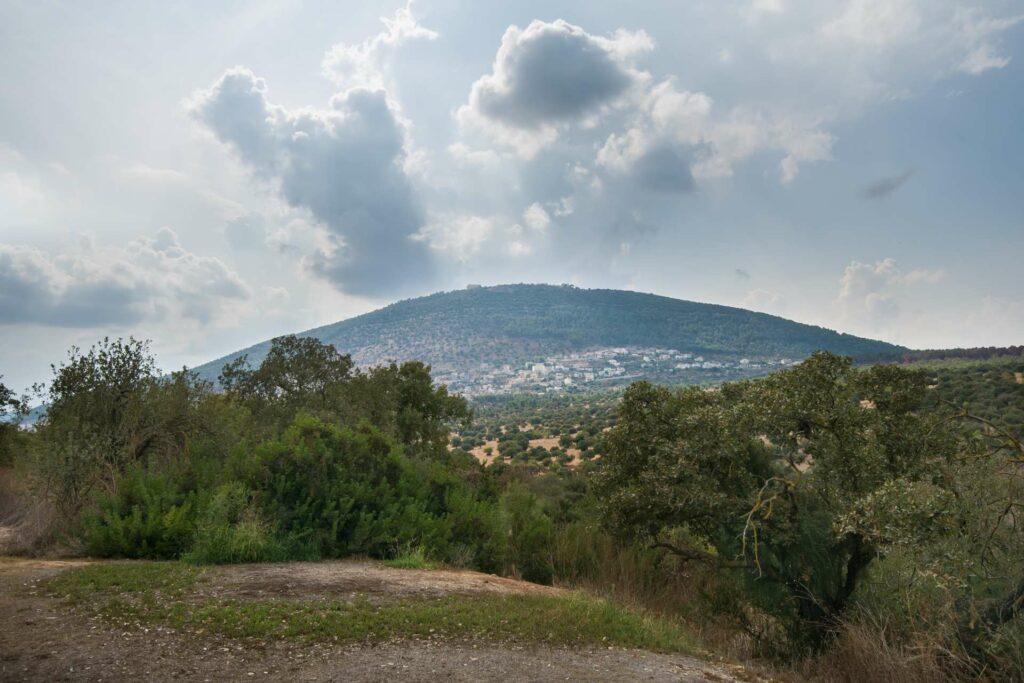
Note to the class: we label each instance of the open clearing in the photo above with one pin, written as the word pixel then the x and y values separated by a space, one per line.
pixel 351 620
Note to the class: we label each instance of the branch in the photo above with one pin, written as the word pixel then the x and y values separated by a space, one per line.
pixel 704 557
pixel 1010 439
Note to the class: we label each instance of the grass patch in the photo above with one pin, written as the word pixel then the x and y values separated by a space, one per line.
pixel 412 558
pixel 166 594
pixel 107 579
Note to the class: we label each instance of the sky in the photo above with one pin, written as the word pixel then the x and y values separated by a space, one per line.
pixel 207 175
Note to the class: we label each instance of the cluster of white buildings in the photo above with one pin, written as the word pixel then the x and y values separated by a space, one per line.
pixel 592 369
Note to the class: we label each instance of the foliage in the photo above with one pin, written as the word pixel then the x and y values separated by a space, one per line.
pixel 297 374
pixel 232 529
pixel 303 375
pixel 146 517
pixel 530 535
pixel 13 408
pixel 341 492
pixel 801 482
pixel 110 411
pixel 299 458
pixel 804 509
pixel 992 389
pixel 411 557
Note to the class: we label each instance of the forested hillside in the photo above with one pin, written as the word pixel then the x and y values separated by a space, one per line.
pixel 458 332
pixel 992 388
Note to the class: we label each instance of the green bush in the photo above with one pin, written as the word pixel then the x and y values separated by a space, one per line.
pixel 530 535
pixel 342 492
pixel 232 530
pixel 476 536
pixel 146 516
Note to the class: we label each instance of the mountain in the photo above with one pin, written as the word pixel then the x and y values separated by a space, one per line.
pixel 490 339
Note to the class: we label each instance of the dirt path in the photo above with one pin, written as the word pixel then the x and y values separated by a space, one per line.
pixel 42 641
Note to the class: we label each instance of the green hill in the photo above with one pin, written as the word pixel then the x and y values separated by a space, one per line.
pixel 457 332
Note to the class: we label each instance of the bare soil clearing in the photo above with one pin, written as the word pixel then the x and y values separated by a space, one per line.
pixel 42 640
pixel 369 579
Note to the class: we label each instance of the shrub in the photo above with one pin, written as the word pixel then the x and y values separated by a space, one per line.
pixel 146 516
pixel 341 492
pixel 232 530
pixel 530 535
pixel 411 557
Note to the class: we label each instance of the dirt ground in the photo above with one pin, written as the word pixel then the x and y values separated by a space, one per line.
pixel 42 641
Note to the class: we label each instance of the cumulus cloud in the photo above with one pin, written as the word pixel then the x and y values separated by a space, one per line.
pixel 362 64
pixel 536 218
pixel 466 156
pixel 664 168
pixel 151 278
pixel 459 237
pixel 552 74
pixel 565 206
pixel 343 164
pixel 883 187
pixel 869 293
pixel 676 138
pixel 764 301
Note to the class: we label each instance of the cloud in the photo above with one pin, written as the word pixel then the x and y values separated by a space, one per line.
pixel 767 6
pixel 676 139
pixel 549 75
pixel 465 156
pixel 869 293
pixel 873 23
pixel 979 34
pixel 878 45
pixel 343 164
pixel 246 232
pixel 361 65
pixel 565 206
pixel 764 301
pixel 883 187
pixel 536 218
pixel 152 278
pixel 459 237
pixel 665 168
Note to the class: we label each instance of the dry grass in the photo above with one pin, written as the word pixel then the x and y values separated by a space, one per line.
pixel 864 652
pixel 26 524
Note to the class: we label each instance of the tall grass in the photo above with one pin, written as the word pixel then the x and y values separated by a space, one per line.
pixel 586 557
pixel 26 522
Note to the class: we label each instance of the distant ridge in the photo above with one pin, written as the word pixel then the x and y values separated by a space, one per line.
pixel 458 331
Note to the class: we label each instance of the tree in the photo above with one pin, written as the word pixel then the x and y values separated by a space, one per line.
pixel 13 409
pixel 302 374
pixel 797 482
pixel 109 409
pixel 299 373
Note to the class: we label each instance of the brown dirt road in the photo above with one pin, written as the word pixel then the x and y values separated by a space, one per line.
pixel 41 640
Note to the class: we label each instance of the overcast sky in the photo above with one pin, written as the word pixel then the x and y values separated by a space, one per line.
pixel 213 175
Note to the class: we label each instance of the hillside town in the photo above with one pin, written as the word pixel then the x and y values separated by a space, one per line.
pixel 594 369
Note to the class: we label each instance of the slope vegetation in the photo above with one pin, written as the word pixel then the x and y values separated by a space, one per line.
pixel 513 324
